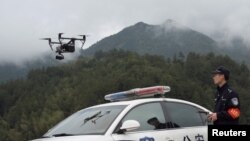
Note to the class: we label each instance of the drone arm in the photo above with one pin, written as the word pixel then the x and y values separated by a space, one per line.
pixel 65 38
pixel 55 43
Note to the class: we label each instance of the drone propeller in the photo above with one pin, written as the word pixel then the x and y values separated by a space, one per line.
pixel 50 42
pixel 83 37
pixel 49 39
pixel 59 34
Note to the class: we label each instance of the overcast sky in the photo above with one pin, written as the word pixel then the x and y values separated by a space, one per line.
pixel 23 22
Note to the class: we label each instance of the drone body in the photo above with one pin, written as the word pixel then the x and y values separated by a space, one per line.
pixel 68 47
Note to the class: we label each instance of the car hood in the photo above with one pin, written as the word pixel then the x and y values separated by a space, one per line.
pixel 77 138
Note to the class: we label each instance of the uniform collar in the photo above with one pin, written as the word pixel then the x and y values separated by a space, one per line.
pixel 224 87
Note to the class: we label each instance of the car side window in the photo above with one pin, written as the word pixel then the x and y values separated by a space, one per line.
pixel 150 116
pixel 184 115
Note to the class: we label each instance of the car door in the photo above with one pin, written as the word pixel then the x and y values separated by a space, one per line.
pixel 188 121
pixel 152 124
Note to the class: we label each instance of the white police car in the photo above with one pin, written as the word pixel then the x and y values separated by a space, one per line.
pixel 150 119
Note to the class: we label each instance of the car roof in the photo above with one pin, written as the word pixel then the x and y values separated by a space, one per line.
pixel 146 100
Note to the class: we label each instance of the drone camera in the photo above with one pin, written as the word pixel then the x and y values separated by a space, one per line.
pixel 59 57
pixel 69 48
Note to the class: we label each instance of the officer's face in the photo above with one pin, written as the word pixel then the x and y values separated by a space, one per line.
pixel 218 78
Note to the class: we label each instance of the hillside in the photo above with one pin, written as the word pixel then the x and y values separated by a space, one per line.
pixel 167 39
pixel 12 71
pixel 170 39
pixel 237 49
pixel 28 108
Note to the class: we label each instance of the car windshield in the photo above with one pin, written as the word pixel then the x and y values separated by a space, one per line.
pixel 91 121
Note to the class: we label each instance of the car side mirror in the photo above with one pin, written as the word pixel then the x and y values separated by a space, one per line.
pixel 129 125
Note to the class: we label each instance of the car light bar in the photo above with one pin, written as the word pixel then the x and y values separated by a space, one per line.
pixel 138 92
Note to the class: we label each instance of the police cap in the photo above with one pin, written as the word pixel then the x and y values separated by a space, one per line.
pixel 222 70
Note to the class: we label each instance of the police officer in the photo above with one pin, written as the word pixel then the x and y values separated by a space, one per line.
pixel 227 105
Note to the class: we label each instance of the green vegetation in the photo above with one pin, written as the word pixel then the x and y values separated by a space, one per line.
pixel 11 71
pixel 28 108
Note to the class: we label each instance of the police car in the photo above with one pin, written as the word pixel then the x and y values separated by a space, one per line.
pixel 132 117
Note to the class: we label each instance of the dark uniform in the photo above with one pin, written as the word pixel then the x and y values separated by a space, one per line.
pixel 227 106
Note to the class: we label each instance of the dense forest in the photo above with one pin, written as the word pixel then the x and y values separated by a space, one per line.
pixel 29 107
pixel 12 71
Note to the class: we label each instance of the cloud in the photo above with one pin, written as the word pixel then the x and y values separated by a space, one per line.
pixel 24 22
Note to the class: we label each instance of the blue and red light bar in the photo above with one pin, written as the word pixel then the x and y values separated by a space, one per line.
pixel 138 92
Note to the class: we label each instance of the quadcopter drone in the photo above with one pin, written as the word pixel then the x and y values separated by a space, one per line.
pixel 64 47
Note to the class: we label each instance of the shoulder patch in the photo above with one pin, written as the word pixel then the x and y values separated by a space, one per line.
pixel 235 101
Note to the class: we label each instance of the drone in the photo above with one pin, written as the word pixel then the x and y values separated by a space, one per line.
pixel 65 47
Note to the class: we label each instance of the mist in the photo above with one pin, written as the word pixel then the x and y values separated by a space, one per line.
pixel 24 22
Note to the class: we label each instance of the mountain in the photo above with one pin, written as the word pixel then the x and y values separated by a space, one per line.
pixel 167 39
pixel 170 39
pixel 237 49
